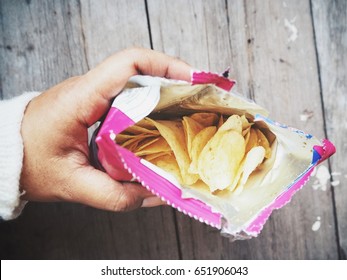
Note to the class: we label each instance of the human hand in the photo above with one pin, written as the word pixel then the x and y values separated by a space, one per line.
pixel 56 165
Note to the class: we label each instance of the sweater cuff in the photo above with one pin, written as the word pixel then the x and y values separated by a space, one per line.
pixel 11 154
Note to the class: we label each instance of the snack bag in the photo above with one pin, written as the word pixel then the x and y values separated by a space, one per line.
pixel 205 150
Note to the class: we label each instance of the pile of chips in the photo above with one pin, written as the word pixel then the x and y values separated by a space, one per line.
pixel 220 151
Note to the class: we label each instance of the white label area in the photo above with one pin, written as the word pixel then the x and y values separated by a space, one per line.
pixel 137 103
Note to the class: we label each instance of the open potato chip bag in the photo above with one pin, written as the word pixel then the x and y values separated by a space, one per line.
pixel 205 150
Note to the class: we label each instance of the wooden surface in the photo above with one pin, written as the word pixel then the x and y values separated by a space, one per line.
pixel 289 56
pixel 330 24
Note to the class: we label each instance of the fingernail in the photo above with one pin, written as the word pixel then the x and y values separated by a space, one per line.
pixel 152 201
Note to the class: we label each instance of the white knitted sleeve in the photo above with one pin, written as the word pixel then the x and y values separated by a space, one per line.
pixel 11 154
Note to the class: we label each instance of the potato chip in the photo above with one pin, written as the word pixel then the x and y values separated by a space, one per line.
pixel 173 133
pixel 154 156
pixel 234 122
pixel 245 132
pixel 121 138
pixel 205 119
pixel 219 152
pixel 146 142
pixel 237 176
pixel 262 141
pixel 131 144
pixel 157 145
pixel 252 140
pixel 245 123
pixel 130 141
pixel 252 160
pixel 199 142
pixel 169 164
pixel 219 161
pixel 126 140
pixel 191 129
pixel 246 136
pixel 136 129
pixel 146 123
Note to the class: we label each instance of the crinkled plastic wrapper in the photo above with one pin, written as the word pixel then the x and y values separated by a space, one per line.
pixel 238 215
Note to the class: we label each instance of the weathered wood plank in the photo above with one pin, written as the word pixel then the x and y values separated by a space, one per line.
pixel 110 26
pixel 41 45
pixel 281 74
pixel 330 25
pixel 284 46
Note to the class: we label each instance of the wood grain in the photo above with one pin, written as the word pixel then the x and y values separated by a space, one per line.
pixel 283 77
pixel 288 88
pixel 330 25
pixel 42 45
pixel 110 26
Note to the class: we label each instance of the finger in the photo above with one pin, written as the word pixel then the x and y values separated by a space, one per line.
pixel 152 201
pixel 95 188
pixel 106 80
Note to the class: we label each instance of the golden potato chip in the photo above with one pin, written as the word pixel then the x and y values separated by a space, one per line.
pixel 136 129
pixel 219 152
pixel 146 142
pixel 121 138
pixel 205 119
pixel 252 140
pixel 246 131
pixel 245 123
pixel 158 146
pixel 131 144
pixel 130 141
pixel 125 140
pixel 246 135
pixel 252 160
pixel 152 157
pixel 199 142
pixel 237 176
pixel 146 123
pixel 169 164
pixel 262 141
pixel 191 129
pixel 173 133
pixel 234 122
pixel 219 161
pixel 246 127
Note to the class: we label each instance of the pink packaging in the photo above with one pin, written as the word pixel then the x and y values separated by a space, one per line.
pixel 239 216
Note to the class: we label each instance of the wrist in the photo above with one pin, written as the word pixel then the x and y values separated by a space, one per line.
pixel 11 154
